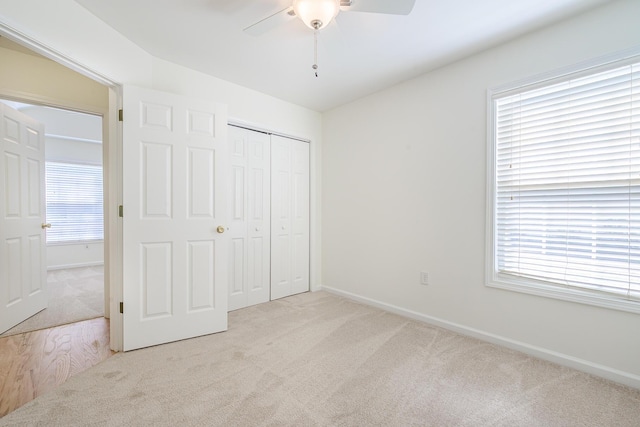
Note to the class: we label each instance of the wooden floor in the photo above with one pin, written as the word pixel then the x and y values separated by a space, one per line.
pixel 35 362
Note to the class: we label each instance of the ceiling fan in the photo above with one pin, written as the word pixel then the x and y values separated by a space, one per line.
pixel 318 14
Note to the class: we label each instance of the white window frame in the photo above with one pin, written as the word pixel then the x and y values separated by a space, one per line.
pixel 495 279
pixel 76 241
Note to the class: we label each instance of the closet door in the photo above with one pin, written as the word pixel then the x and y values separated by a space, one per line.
pixel 249 258
pixel 289 217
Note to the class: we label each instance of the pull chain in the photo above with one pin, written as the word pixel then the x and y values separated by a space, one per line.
pixel 315 52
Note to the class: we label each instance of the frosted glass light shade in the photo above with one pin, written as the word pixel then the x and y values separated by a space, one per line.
pixel 312 11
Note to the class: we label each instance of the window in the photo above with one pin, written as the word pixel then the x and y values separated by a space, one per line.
pixel 564 187
pixel 74 202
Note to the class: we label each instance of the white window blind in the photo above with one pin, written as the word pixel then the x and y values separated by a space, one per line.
pixel 567 183
pixel 74 202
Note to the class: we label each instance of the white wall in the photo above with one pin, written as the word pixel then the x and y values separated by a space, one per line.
pixel 404 174
pixel 74 255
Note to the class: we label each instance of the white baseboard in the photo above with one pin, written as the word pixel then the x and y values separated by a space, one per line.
pixel 79 265
pixel 606 372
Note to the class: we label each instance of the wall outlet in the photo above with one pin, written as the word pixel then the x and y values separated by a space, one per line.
pixel 424 278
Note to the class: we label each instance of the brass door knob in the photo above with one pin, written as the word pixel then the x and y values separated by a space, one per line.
pixel 220 229
pixel 47 225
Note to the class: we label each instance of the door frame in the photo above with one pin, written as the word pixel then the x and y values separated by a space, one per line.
pixel 111 163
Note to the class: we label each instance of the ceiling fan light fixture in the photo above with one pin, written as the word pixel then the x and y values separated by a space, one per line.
pixel 316 14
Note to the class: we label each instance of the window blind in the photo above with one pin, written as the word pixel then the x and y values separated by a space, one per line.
pixel 567 182
pixel 74 202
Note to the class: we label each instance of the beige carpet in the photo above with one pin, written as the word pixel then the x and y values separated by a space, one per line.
pixel 319 360
pixel 75 294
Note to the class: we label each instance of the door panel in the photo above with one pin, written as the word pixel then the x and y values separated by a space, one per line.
pixel 23 290
pixel 201 276
pixel 175 261
pixel 281 282
pixel 290 221
pixel 300 216
pixel 250 216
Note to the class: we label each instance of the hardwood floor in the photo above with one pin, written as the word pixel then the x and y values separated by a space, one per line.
pixel 35 362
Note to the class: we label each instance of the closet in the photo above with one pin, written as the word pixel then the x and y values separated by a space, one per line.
pixel 268 217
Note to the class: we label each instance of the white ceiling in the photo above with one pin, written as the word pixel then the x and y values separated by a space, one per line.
pixel 361 54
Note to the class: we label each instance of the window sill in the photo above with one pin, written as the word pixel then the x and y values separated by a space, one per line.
pixel 594 298
pixel 76 242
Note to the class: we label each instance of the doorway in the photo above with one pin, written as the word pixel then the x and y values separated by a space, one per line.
pixel 74 208
pixel 29 77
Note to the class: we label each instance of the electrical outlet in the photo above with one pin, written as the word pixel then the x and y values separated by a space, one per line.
pixel 424 278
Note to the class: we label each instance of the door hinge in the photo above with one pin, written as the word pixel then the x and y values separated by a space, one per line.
pixel 120 115
pixel 120 211
pixel 121 308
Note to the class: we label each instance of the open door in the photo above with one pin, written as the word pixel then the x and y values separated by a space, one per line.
pixel 174 217
pixel 23 265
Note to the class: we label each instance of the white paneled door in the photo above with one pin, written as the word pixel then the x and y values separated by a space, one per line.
pixel 289 217
pixel 174 218
pixel 22 213
pixel 249 210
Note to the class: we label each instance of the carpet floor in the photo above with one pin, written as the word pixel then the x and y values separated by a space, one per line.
pixel 316 359
pixel 75 294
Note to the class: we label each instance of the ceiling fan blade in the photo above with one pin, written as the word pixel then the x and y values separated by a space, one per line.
pixel 392 7
pixel 270 22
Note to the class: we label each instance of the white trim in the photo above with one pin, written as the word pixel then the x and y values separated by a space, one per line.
pixel 73 138
pixel 249 126
pixel 112 166
pixel 588 66
pixel 48 52
pixel 75 242
pixel 45 101
pixel 78 265
pixel 490 236
pixel 596 369
pixel 557 291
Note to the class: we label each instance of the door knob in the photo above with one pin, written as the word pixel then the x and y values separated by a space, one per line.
pixel 47 225
pixel 220 229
